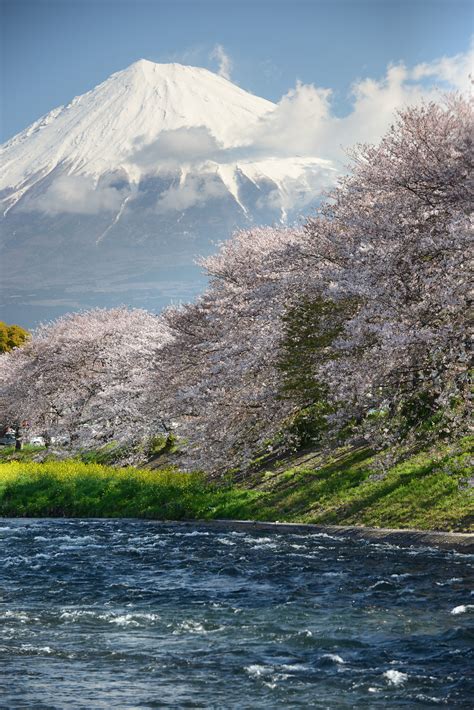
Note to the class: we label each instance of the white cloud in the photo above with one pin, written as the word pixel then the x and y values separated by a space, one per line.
pixel 293 127
pixel 194 190
pixel 175 148
pixel 76 194
pixel 305 124
pixel 456 71
pixel 225 62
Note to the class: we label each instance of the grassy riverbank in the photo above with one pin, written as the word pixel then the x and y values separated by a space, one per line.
pixel 427 491
pixel 76 489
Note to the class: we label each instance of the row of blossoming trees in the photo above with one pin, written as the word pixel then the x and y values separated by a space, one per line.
pixel 354 325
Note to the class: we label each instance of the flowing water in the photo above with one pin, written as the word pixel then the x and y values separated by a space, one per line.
pixel 135 614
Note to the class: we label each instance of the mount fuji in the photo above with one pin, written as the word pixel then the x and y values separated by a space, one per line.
pixel 109 199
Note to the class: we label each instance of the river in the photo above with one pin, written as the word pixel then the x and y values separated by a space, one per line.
pixel 135 614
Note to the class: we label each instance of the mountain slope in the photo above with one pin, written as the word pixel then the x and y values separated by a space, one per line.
pixel 109 199
pixel 101 129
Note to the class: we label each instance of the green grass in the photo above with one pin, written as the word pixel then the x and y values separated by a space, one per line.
pixel 427 491
pixel 8 453
pixel 77 489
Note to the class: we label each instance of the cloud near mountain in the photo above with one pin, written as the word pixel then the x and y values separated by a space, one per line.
pixel 303 124
pixel 115 194
pixel 74 194
pixel 183 146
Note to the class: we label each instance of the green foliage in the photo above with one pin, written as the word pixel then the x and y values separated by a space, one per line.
pixel 12 336
pixel 430 490
pixel 427 491
pixel 108 454
pixel 421 414
pixel 26 453
pixel 113 453
pixel 309 424
pixel 417 408
pixel 310 329
pixel 76 489
pixel 162 444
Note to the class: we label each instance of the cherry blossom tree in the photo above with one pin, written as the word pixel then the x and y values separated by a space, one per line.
pixel 386 259
pixel 85 377
pixel 360 315
pixel 221 362
pixel 401 247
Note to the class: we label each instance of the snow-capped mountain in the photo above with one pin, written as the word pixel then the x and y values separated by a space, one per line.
pixel 110 198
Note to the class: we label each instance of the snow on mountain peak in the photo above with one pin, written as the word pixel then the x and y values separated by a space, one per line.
pixel 147 120
pixel 102 129
pixel 117 191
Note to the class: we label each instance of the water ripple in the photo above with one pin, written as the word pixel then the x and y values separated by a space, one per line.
pixel 132 614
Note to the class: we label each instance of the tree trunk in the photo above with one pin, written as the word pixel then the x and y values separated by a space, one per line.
pixel 18 438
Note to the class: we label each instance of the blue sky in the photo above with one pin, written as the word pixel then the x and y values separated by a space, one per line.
pixel 53 50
